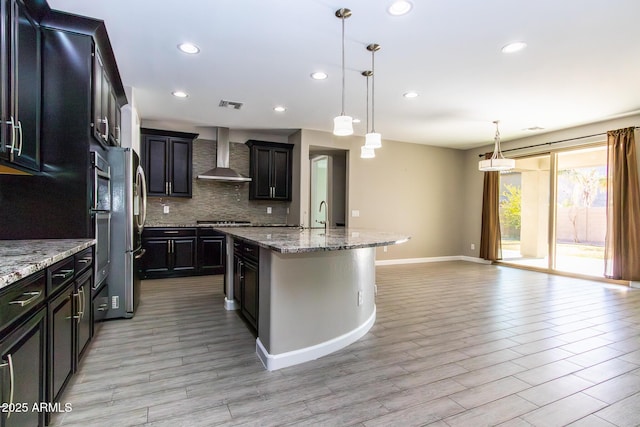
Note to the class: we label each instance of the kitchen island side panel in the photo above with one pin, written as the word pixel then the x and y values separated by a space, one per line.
pixel 312 298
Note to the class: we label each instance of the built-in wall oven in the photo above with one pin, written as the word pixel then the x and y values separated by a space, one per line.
pixel 101 214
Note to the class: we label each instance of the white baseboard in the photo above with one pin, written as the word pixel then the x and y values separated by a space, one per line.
pixel 634 283
pixel 432 259
pixel 278 361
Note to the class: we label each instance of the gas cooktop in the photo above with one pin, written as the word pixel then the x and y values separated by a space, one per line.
pixel 222 222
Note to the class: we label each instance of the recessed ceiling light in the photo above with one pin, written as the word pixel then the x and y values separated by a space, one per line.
pixel 179 94
pixel 189 48
pixel 513 47
pixel 355 120
pixel 410 94
pixel 533 128
pixel 279 109
pixel 400 7
pixel 319 75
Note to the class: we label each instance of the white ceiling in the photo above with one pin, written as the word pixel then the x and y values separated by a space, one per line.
pixel 582 63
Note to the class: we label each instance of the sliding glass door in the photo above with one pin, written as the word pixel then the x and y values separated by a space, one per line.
pixel 552 211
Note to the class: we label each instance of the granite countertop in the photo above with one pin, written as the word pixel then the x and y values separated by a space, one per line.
pixel 297 240
pixel 196 225
pixel 21 258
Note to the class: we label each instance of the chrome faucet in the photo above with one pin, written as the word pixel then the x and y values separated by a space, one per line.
pixel 326 214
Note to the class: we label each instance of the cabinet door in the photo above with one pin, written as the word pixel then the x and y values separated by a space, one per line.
pixel 83 312
pixel 261 173
pixel 22 357
pixel 250 292
pixel 184 254
pixel 155 165
pixel 211 255
pixel 22 87
pixel 180 168
pixel 99 114
pixel 237 279
pixel 62 321
pixel 157 256
pixel 280 174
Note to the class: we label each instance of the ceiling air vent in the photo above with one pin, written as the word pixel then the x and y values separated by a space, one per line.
pixel 230 104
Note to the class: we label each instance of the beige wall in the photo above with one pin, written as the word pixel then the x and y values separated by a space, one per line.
pixel 472 180
pixel 408 188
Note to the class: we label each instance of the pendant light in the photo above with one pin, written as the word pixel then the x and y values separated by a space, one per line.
pixel 373 139
pixel 497 162
pixel 343 124
pixel 367 152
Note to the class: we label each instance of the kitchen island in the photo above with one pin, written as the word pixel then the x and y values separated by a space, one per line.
pixel 316 288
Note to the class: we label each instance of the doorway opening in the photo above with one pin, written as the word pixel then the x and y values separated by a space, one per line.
pixel 329 185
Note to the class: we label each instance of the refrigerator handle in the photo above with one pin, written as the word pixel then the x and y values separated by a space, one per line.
pixel 143 198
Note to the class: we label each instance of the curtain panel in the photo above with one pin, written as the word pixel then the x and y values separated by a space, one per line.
pixel 490 238
pixel 622 244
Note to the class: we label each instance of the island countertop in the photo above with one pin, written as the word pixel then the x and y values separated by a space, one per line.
pixel 299 240
pixel 21 258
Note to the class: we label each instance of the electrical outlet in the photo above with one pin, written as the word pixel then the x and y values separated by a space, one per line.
pixel 473 246
pixel 360 298
pixel 384 249
pixel 269 210
pixel 165 209
pixel 355 213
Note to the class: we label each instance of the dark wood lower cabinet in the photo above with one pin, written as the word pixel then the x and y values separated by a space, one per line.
pixel 22 361
pixel 61 330
pixel 182 251
pixel 83 312
pixel 246 281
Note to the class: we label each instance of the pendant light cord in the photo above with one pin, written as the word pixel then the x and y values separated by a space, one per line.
pixel 342 113
pixel 373 92
pixel 367 126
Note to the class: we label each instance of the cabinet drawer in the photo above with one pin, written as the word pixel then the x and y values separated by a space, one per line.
pixel 19 298
pixel 100 305
pixel 83 260
pixel 251 251
pixel 169 232
pixel 60 274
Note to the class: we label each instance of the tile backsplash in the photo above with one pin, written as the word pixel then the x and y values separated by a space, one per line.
pixel 214 200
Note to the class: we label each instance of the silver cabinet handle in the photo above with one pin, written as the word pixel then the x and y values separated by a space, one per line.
pixel 166 187
pixel 12 379
pixel 170 191
pixel 84 260
pixel 105 136
pixel 82 303
pixel 34 296
pixel 171 232
pixel 173 246
pixel 64 274
pixel 20 139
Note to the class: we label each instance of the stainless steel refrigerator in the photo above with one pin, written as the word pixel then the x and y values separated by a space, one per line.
pixel 128 211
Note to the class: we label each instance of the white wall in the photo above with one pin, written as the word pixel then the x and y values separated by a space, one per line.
pixel 408 188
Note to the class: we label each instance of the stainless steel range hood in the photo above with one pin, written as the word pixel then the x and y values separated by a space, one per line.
pixel 222 171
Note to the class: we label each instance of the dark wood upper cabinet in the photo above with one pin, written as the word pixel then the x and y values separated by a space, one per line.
pixel 20 88
pixel 271 170
pixel 167 162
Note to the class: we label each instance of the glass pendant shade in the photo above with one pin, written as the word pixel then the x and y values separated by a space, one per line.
pixel 343 125
pixel 497 162
pixel 373 140
pixel 367 153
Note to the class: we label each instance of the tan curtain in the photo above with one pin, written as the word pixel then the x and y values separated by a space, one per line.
pixel 622 245
pixel 490 239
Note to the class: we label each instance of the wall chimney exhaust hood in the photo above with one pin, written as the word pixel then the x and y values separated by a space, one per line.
pixel 222 171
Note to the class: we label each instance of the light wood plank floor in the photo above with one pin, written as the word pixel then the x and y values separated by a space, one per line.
pixel 455 344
